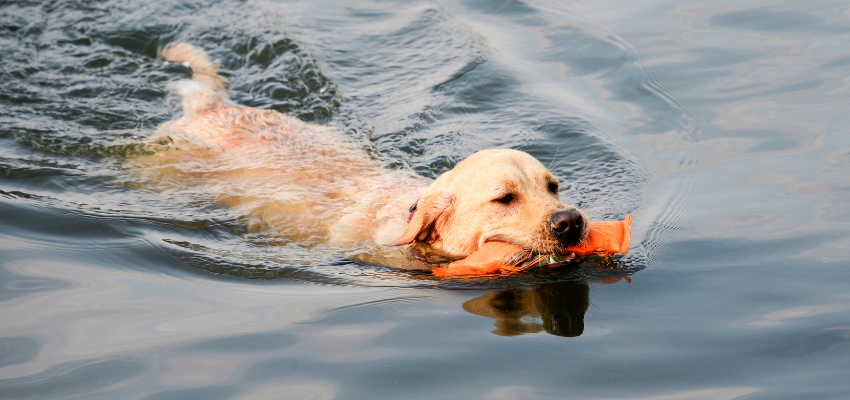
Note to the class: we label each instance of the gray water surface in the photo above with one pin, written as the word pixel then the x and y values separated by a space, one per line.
pixel 721 127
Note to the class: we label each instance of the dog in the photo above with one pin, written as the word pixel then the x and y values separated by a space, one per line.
pixel 314 184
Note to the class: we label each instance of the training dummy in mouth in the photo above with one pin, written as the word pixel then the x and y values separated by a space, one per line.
pixel 604 238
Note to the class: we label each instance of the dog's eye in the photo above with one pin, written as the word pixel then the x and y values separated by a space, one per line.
pixel 505 199
pixel 553 187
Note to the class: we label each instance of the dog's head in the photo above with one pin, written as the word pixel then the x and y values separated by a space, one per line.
pixel 495 195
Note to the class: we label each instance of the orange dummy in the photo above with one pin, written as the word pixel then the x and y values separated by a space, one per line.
pixel 604 238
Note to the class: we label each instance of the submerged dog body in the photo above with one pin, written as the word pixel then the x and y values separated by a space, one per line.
pixel 311 182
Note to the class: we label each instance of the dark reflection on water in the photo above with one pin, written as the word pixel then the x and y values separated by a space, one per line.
pixel 15 286
pixel 777 21
pixel 211 392
pixel 17 350
pixel 76 378
pixel 829 340
pixel 256 342
pixel 560 307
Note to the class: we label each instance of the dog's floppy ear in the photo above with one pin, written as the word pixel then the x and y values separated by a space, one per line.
pixel 428 210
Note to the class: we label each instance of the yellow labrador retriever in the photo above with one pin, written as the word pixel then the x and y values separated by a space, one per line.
pixel 313 183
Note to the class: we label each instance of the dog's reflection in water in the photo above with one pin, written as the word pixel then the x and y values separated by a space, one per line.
pixel 557 308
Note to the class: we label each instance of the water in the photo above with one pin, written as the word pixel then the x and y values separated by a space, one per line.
pixel 720 127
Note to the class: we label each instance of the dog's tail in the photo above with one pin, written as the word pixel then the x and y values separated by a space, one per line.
pixel 203 92
pixel 203 69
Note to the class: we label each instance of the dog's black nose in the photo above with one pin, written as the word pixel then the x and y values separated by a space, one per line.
pixel 567 225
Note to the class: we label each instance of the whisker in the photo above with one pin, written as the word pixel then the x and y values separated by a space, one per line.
pixel 556 165
pixel 590 234
pixel 554 157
